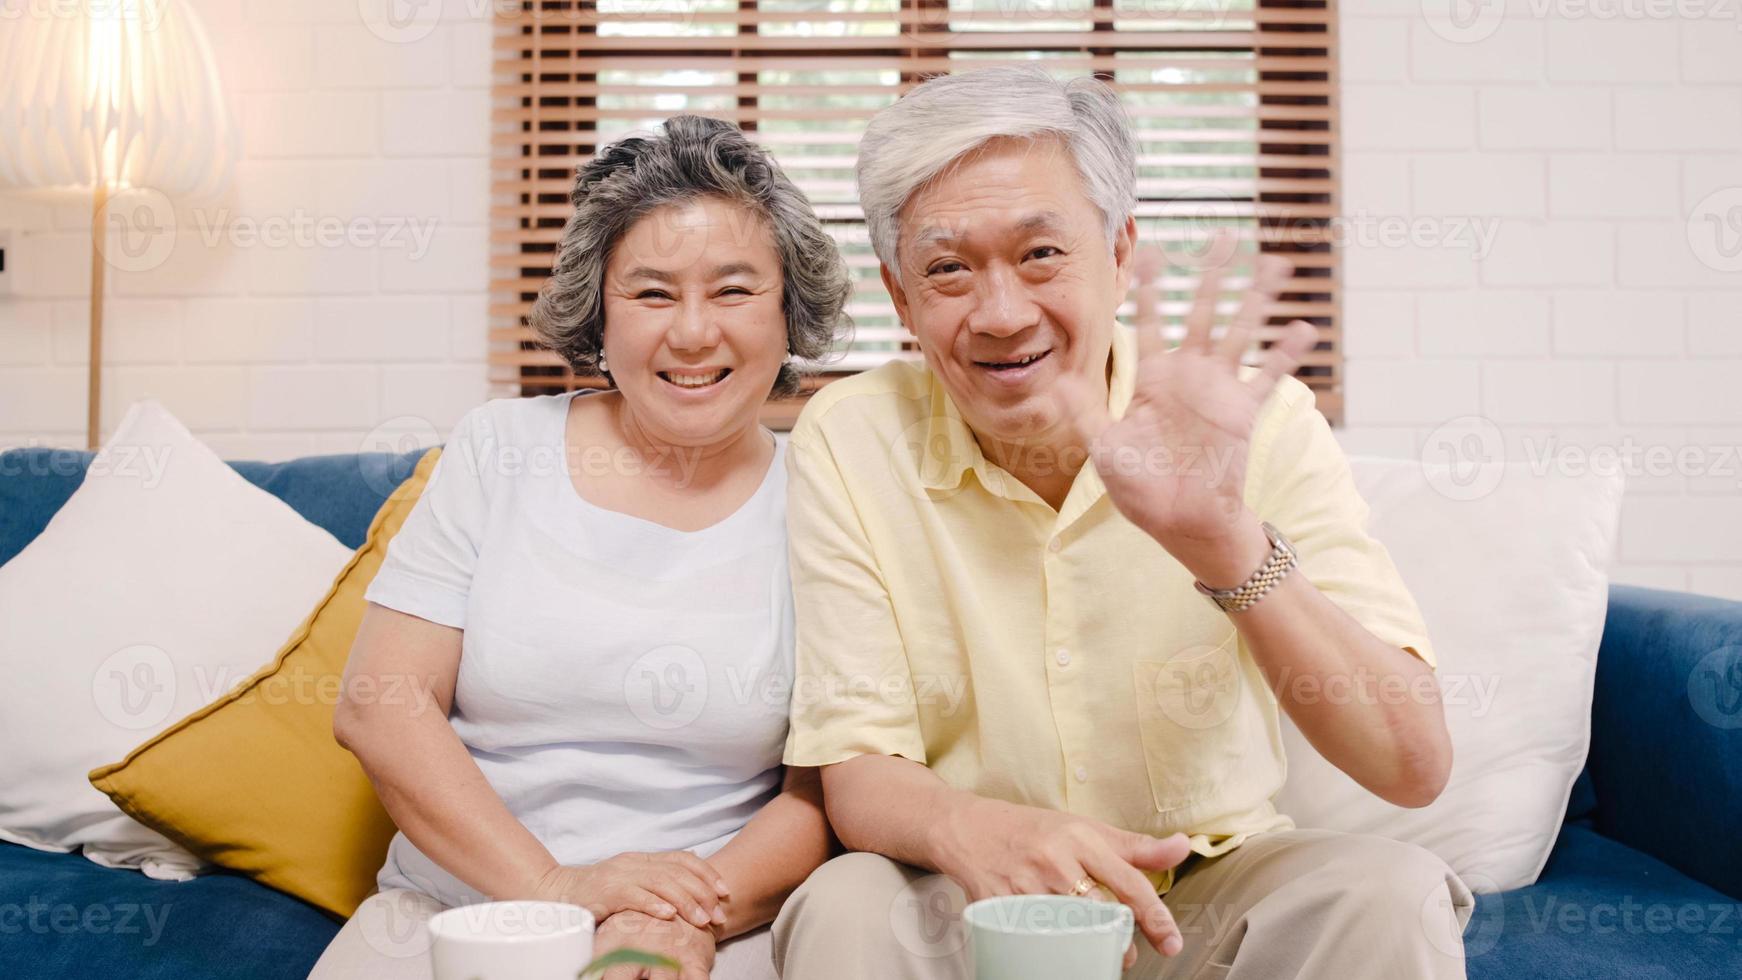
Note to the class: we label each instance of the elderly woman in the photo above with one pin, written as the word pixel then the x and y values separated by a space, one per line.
pixel 595 589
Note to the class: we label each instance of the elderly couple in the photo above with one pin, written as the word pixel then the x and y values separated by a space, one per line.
pixel 1025 651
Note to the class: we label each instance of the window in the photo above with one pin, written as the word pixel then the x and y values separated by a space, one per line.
pixel 1231 100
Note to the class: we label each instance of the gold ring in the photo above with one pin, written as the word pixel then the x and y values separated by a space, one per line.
pixel 1081 888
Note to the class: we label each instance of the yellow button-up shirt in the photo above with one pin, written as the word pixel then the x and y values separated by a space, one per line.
pixel 1054 658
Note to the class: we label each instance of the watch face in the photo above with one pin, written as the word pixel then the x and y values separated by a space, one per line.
pixel 1277 539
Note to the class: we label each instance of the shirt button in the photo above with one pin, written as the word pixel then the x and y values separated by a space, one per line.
pixel 1054 545
pixel 1082 774
pixel 1064 657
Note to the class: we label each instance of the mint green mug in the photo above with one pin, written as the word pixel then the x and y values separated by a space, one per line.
pixel 1047 937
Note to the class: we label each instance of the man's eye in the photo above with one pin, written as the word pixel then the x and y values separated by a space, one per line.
pixel 1044 252
pixel 945 268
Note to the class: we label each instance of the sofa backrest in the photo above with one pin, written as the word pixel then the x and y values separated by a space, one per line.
pixel 1665 765
pixel 1666 731
pixel 340 493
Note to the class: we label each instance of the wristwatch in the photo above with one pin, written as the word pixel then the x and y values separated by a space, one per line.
pixel 1276 567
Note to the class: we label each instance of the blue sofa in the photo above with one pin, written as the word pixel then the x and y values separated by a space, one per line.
pixel 1644 881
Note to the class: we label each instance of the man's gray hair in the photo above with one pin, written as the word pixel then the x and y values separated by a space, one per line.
pixel 915 139
pixel 692 157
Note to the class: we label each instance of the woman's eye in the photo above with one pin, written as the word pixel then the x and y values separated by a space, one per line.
pixel 734 291
pixel 653 294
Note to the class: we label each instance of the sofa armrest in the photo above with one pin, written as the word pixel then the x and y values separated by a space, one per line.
pixel 1666 731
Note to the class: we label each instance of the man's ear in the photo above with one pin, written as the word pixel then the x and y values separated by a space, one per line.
pixel 896 296
pixel 1124 248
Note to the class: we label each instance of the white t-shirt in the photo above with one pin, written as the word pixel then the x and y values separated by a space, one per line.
pixel 622 685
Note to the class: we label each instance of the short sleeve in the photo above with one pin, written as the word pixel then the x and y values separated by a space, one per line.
pixel 1304 487
pixel 428 569
pixel 853 689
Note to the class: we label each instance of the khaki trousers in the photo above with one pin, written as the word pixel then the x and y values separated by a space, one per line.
pixel 388 939
pixel 1293 904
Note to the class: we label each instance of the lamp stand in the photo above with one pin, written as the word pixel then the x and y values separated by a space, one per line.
pixel 94 388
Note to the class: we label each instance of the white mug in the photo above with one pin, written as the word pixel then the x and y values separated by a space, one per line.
pixel 1047 937
pixel 511 941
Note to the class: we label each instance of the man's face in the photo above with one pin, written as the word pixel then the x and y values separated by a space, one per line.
pixel 1010 286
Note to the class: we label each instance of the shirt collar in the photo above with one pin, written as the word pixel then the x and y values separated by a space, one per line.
pixel 950 449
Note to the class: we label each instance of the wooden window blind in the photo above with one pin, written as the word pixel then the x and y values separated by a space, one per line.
pixel 1232 101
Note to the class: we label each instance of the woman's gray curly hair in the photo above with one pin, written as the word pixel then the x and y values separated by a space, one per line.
pixel 692 157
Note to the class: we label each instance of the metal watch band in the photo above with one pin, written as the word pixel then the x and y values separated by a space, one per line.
pixel 1276 567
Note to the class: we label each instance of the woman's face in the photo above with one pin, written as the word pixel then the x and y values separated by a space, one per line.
pixel 694 330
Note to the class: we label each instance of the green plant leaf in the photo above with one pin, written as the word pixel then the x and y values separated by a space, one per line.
pixel 624 957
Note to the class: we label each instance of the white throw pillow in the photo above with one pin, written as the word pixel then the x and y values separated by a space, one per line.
pixel 1513 584
pixel 165 580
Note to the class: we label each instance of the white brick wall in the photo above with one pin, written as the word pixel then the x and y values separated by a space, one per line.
pixel 1585 147
pixel 1595 143
pixel 268 348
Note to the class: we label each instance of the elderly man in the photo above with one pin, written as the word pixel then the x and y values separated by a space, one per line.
pixel 1053 585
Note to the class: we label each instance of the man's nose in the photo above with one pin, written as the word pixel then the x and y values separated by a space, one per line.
pixel 1002 305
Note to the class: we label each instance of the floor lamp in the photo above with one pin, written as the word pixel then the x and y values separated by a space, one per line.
pixel 108 98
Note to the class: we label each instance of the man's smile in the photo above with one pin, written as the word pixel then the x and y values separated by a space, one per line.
pixel 1014 369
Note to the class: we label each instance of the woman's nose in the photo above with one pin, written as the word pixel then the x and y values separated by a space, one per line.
pixel 693 328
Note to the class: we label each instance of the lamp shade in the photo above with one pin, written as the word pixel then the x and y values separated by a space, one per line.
pixel 113 93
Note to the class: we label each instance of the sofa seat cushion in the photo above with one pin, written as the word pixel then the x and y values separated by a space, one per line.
pixel 63 916
pixel 1602 910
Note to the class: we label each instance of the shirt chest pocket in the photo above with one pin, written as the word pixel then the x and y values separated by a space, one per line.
pixel 1205 727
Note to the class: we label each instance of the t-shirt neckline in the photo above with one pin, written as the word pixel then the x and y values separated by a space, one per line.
pixel 567 483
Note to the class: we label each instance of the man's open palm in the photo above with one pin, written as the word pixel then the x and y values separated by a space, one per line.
pixel 1175 462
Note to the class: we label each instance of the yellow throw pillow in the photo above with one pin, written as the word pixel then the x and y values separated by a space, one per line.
pixel 254 781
